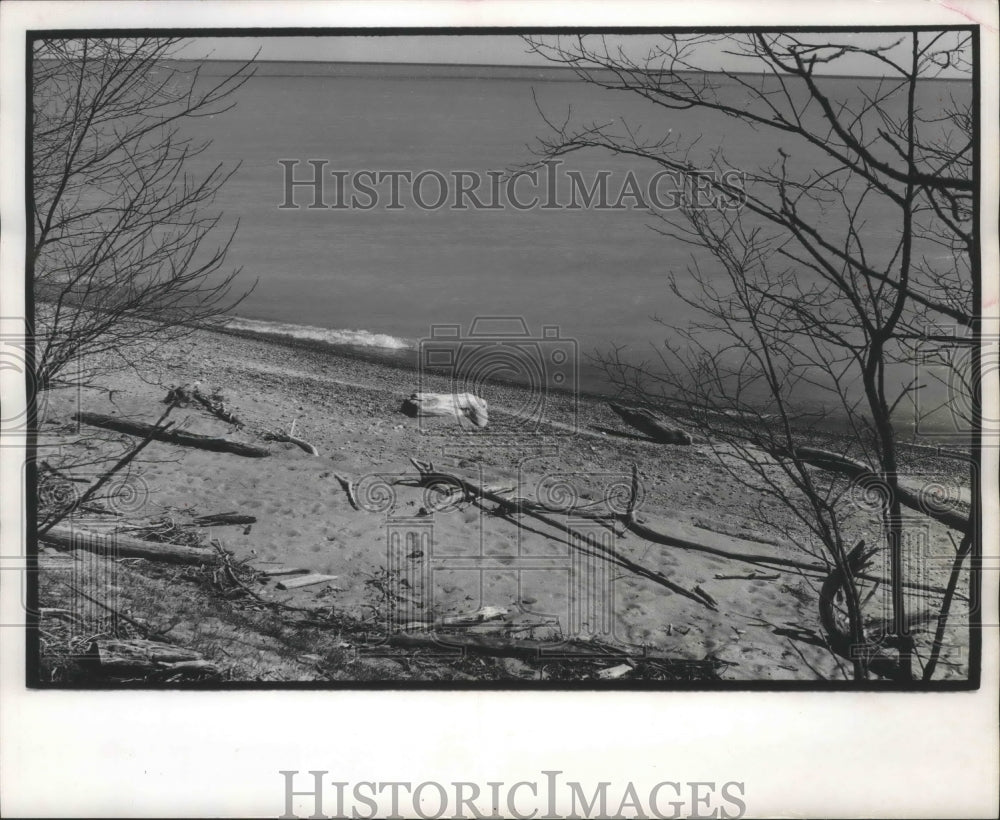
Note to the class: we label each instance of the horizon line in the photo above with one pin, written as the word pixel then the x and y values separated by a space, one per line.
pixel 542 67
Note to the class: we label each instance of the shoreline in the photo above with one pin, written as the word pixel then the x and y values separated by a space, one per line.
pixel 406 359
pixel 407 362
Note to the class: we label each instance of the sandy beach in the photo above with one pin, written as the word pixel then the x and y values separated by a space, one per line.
pixel 402 558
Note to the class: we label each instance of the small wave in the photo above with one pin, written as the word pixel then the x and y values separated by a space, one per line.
pixel 358 338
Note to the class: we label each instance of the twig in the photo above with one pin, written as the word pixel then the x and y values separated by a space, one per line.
pixel 708 598
pixel 349 489
pixel 145 630
pixel 753 576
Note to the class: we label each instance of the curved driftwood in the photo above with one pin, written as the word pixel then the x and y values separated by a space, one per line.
pixel 839 640
pixel 298 442
pixel 135 428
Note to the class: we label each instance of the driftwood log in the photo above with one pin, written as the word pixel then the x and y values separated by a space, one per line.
pixel 122 546
pixel 652 425
pixel 186 396
pixel 143 656
pixel 857 470
pixel 142 430
pixel 456 405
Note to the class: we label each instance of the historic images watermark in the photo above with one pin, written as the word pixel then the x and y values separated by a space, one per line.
pixel 312 184
pixel 314 795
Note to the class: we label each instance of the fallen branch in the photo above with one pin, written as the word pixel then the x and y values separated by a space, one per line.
pixel 139 652
pixel 135 428
pixel 121 546
pixel 143 656
pixel 287 439
pixel 143 629
pixel 160 427
pixel 224 519
pixel 182 396
pixel 753 576
pixel 277 571
pixel 348 488
pixel 711 601
pixel 632 524
pixel 640 529
pixel 305 581
pixel 532 649
pixel 475 492
pixel 486 613
pixel 755 558
pixel 60 474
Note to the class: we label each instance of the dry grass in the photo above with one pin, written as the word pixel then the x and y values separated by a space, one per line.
pixel 249 640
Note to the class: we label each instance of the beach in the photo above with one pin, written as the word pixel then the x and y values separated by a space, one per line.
pixel 403 557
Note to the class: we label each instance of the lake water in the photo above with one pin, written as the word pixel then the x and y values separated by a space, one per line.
pixel 597 275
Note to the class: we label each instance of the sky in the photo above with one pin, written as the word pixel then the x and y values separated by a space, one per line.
pixel 478 50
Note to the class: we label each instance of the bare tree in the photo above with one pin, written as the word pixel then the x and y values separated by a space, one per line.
pixel 810 308
pixel 122 246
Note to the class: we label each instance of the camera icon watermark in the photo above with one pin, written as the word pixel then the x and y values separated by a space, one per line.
pixel 529 383
pixel 939 566
pixel 957 372
pixel 493 579
pixel 944 498
pixel 73 544
pixel 27 401
pixel 500 592
pixel 89 571
pixel 74 549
